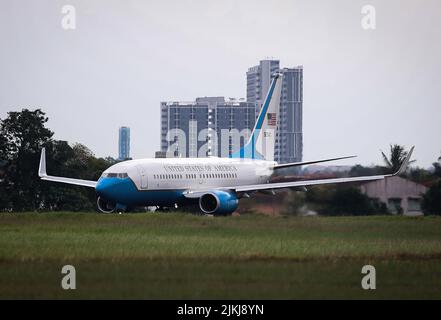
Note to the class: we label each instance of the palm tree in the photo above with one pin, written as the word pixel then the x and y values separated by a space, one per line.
pixel 396 158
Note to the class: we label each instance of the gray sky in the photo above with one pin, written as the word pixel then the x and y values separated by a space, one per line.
pixel 362 89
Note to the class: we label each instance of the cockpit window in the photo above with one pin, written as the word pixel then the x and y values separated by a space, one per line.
pixel 110 175
pixel 115 175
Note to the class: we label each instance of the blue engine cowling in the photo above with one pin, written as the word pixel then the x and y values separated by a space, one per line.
pixel 219 202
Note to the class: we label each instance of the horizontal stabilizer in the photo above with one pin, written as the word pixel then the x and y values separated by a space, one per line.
pixel 304 163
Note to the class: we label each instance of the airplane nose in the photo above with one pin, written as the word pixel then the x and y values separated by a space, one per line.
pixel 102 186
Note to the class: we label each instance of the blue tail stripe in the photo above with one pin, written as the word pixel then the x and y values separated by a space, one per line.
pixel 245 151
pixel 265 107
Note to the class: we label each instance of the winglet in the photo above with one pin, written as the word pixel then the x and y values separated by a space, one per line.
pixel 405 163
pixel 42 168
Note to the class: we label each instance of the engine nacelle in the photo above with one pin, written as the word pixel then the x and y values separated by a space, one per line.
pixel 105 206
pixel 219 202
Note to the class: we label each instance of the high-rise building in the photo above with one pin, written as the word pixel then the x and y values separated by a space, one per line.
pixel 209 126
pixel 124 143
pixel 259 80
pixel 289 141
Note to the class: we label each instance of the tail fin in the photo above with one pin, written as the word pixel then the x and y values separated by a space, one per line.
pixel 263 137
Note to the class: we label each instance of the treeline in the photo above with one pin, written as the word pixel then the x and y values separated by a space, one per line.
pixel 22 136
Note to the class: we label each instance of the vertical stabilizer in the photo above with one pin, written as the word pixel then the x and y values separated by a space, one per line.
pixel 263 138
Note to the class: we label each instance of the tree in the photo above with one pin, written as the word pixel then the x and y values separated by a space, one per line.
pixel 437 168
pixel 359 170
pixel 349 201
pixel 432 200
pixel 23 135
pixel 342 200
pixel 396 157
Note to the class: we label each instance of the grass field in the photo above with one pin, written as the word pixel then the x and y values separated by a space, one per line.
pixel 161 256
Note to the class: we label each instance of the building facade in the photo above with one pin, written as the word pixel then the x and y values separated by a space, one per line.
pixel 208 126
pixel 289 142
pixel 124 143
pixel 401 196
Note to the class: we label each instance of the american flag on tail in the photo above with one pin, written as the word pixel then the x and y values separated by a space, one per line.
pixel 272 119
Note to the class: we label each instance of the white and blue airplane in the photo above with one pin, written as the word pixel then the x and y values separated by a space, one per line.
pixel 214 184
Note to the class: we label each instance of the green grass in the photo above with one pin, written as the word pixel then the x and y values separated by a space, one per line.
pixel 183 256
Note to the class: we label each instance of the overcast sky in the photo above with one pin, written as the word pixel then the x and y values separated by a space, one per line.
pixel 363 89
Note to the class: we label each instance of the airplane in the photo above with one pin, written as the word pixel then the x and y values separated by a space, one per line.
pixel 213 184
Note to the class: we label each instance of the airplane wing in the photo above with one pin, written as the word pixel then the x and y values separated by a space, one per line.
pixel 43 175
pixel 305 183
pixel 296 164
pixel 281 185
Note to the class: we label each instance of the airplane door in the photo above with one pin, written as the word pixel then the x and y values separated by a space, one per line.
pixel 143 176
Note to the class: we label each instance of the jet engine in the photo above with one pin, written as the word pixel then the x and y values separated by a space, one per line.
pixel 105 206
pixel 219 202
